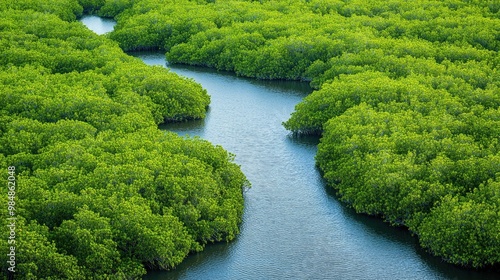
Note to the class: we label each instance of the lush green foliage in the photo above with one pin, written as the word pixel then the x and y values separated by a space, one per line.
pixel 101 192
pixel 67 10
pixel 309 39
pixel 408 99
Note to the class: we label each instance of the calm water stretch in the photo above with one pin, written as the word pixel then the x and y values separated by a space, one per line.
pixel 293 226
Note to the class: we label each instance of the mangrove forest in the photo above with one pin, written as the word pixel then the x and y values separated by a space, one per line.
pixel 406 101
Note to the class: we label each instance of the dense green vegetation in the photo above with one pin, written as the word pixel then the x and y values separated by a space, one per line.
pixel 407 102
pixel 101 193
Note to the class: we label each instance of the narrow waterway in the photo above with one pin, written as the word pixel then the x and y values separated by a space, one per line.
pixel 293 226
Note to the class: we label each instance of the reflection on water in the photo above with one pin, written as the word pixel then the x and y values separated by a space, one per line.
pixel 188 128
pixel 98 25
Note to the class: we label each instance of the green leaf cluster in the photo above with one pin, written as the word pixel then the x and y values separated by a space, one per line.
pixel 68 10
pixel 101 192
pixel 309 40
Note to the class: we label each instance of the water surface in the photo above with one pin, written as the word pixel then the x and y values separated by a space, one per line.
pixel 98 25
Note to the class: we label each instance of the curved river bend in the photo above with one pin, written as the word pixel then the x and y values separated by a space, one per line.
pixel 293 226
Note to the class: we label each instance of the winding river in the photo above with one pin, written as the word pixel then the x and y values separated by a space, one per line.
pixel 293 226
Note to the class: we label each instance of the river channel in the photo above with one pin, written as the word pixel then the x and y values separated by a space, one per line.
pixel 293 225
